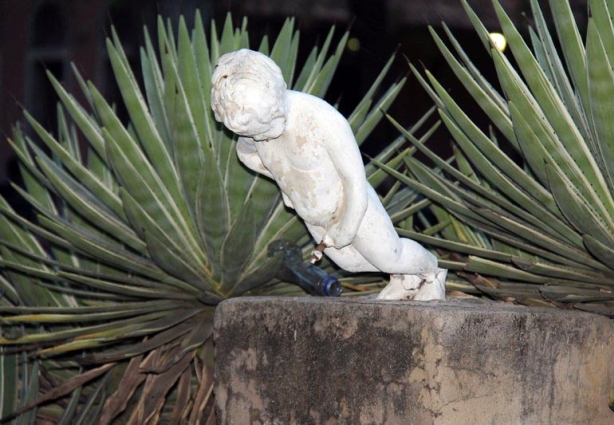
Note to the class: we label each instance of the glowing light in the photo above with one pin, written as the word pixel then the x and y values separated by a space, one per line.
pixel 498 40
pixel 354 44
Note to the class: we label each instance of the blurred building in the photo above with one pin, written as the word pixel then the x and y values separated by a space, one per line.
pixel 40 36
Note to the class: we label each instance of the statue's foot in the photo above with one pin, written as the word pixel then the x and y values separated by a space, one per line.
pixel 401 287
pixel 434 287
pixel 416 287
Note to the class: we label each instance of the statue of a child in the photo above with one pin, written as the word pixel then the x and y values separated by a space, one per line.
pixel 307 147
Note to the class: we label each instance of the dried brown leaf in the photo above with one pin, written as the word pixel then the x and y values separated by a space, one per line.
pixel 203 398
pixel 118 401
pixel 156 389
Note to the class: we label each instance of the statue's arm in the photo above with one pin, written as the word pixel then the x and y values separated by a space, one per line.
pixel 248 155
pixel 345 155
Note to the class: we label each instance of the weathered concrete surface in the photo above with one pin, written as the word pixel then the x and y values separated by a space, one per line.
pixel 359 361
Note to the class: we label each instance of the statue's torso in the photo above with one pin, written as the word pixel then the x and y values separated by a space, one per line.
pixel 306 175
pixel 301 165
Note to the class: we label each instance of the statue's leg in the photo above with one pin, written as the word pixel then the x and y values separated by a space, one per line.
pixel 413 269
pixel 348 258
pixel 378 242
pixel 377 247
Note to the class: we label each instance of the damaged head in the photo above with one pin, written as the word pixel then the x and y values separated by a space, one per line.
pixel 248 95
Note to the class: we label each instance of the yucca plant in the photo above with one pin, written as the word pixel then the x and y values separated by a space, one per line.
pixel 108 296
pixel 538 229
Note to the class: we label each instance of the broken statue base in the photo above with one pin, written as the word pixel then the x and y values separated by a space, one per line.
pixel 361 361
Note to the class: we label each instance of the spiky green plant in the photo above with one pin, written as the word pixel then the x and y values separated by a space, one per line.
pixel 108 297
pixel 540 229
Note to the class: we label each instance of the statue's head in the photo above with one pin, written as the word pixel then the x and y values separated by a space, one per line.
pixel 248 95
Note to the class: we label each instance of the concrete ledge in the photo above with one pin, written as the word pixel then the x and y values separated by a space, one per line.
pixel 359 361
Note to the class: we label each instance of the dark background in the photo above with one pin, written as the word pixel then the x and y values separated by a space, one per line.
pixel 40 35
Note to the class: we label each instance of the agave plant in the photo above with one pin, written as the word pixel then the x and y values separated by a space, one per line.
pixel 108 297
pixel 539 229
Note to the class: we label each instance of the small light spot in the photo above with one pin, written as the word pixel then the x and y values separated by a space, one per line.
pixel 354 44
pixel 498 40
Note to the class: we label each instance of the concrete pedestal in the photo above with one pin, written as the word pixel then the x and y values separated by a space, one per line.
pixel 360 361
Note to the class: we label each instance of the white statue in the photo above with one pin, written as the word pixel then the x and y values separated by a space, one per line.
pixel 307 147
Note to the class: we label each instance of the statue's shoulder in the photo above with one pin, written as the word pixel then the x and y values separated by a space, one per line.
pixel 313 105
pixel 300 97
